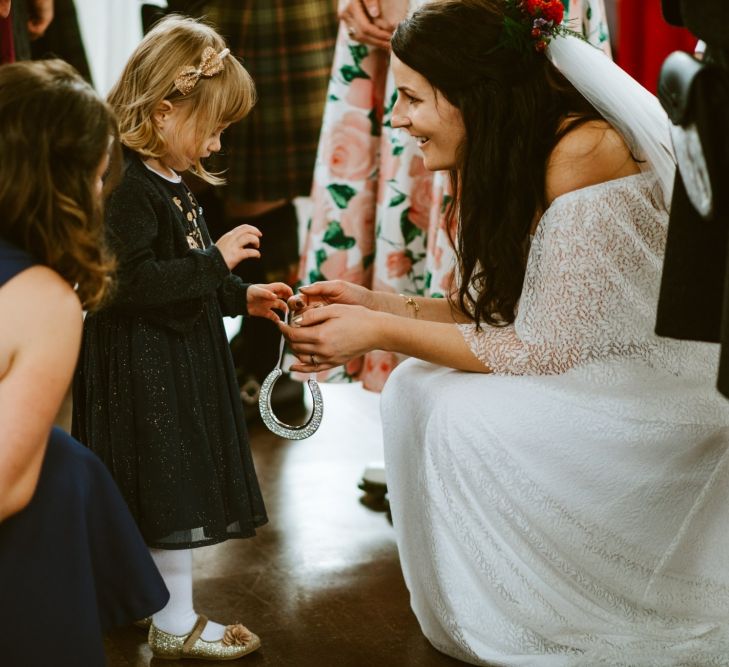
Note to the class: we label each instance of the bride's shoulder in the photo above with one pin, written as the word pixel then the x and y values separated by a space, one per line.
pixel 591 153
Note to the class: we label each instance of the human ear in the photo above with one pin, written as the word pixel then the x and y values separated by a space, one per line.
pixel 162 112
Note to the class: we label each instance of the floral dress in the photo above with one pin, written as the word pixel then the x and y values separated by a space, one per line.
pixel 377 216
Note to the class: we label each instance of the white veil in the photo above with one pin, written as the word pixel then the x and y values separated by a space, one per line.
pixel 623 102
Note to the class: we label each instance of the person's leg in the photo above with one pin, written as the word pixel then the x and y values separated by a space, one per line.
pixel 178 616
pixel 177 631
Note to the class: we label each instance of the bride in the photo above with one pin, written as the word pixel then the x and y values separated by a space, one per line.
pixel 564 502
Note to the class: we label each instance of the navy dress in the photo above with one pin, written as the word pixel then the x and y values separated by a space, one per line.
pixel 72 563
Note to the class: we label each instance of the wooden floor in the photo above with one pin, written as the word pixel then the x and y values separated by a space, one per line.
pixel 321 583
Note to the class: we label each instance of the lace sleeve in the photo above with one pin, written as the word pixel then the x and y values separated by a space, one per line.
pixel 591 284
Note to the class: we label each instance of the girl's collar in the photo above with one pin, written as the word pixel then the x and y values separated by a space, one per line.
pixel 176 178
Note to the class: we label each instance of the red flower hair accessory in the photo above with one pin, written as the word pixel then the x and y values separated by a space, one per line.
pixel 530 25
pixel 551 10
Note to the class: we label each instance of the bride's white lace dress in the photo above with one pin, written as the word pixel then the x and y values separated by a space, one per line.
pixel 572 508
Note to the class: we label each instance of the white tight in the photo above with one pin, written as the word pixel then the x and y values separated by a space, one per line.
pixel 178 616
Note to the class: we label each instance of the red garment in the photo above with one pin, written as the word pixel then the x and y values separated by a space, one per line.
pixel 7 46
pixel 645 40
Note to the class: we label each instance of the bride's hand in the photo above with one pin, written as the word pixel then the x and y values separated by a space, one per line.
pixel 322 338
pixel 329 292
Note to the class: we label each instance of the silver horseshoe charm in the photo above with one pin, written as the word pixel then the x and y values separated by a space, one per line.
pixel 273 423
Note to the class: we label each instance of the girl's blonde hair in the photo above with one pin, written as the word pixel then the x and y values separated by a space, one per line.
pixel 149 78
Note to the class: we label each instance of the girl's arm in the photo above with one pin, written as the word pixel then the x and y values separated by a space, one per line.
pixel 233 296
pixel 40 334
pixel 144 280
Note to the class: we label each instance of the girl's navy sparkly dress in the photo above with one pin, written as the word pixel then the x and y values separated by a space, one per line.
pixel 155 393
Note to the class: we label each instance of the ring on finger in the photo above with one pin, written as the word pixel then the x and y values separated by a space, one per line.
pixel 351 31
pixel 314 362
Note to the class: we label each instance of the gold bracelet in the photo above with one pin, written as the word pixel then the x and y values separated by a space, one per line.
pixel 410 301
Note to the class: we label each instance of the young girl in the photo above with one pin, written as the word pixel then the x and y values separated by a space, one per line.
pixel 155 392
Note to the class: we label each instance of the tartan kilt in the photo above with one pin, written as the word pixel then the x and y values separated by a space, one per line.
pixel 62 39
pixel 288 47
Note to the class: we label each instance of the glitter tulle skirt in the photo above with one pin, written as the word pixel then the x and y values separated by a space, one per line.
pixel 159 403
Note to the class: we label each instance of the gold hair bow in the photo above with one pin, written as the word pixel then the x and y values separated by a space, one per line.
pixel 211 64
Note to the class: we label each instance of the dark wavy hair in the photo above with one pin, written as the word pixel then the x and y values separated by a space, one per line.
pixel 514 107
pixel 54 133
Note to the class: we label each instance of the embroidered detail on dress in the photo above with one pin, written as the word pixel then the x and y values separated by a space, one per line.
pixel 193 233
pixel 590 290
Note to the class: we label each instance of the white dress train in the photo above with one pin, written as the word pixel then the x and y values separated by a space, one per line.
pixel 571 508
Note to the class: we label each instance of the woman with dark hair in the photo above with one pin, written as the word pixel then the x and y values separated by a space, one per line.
pixel 72 562
pixel 564 502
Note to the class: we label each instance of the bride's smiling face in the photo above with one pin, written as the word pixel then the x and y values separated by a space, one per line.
pixel 428 117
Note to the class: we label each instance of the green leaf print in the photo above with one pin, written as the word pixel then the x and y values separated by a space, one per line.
pixel 335 237
pixel 375 124
pixel 316 276
pixel 398 199
pixel 447 199
pixel 387 110
pixel 397 150
pixel 359 53
pixel 409 231
pixel 428 279
pixel 588 13
pixel 368 260
pixel 391 103
pixel 321 257
pixel 341 194
pixel 566 4
pixel 350 73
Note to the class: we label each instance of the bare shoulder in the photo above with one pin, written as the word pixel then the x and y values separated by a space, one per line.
pixel 45 287
pixel 42 306
pixel 590 154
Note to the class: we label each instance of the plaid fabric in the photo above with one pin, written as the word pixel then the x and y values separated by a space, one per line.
pixel 21 40
pixel 287 46
pixel 63 39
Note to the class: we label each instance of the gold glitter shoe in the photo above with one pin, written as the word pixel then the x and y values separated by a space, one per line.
pixel 237 642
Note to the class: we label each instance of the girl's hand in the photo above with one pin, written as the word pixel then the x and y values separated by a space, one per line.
pixel 239 243
pixel 263 300
pixel 330 336
pixel 329 292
